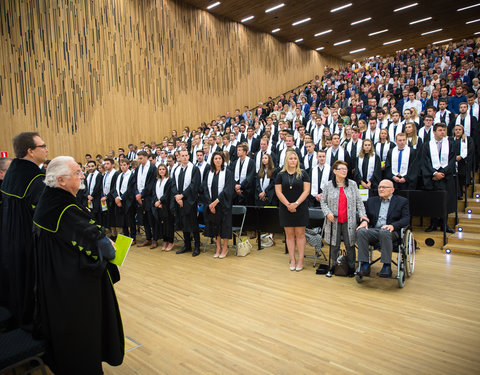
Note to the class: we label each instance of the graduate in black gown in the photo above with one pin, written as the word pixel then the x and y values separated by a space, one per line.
pixel 162 209
pixel 21 190
pixel 4 165
pixel 265 183
pixel 76 309
pixel 217 192
pixel 109 219
pixel 125 204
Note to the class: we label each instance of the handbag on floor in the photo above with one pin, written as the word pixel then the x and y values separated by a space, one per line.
pixel 341 263
pixel 244 248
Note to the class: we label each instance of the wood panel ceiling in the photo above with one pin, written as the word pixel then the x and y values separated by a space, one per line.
pixel 443 13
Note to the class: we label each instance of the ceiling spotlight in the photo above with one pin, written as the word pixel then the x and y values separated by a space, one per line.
pixel 358 50
pixel 248 19
pixel 443 41
pixel 275 30
pixel 421 20
pixel 301 21
pixel 323 32
pixel 275 8
pixel 431 32
pixel 378 32
pixel 342 42
pixel 213 5
pixel 405 7
pixel 360 21
pixel 340 8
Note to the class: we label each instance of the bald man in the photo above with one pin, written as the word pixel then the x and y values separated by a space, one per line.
pixel 387 215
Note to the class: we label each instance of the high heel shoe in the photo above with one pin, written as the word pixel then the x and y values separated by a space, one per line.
pixel 292 268
pixel 298 269
pixel 216 255
pixel 221 256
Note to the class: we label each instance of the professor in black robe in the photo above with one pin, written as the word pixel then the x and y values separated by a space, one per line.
pixel 20 190
pixel 77 311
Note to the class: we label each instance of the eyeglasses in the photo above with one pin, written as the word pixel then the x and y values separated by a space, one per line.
pixel 342 169
pixel 381 187
pixel 41 146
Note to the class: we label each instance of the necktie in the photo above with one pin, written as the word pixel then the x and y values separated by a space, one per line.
pixel 462 121
pixel 121 181
pixel 241 166
pixel 439 147
pixel 400 160
pixel 90 182
pixel 354 149
pixel 310 161
pixel 105 180
pixel 471 111
pixel 442 117
pixel 181 180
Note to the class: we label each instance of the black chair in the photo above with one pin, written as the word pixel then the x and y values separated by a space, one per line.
pixel 314 233
pixel 6 320
pixel 20 348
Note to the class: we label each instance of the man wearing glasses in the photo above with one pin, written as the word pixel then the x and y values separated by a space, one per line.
pixel 21 190
pixel 387 214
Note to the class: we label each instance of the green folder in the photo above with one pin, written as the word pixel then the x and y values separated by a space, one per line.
pixel 122 245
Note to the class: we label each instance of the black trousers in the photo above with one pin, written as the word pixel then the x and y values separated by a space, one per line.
pixel 129 228
pixel 188 240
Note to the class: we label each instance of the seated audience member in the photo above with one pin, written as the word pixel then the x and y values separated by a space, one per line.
pixel 368 171
pixel 244 176
pixel 217 194
pixel 319 176
pixel 77 311
pixel 401 166
pixel 162 210
pixel 387 215
pixel 265 183
pixel 438 166
pixel 341 202
pixel 124 197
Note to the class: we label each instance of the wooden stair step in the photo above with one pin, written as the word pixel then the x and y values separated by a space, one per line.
pixel 468 227
pixel 468 218
pixel 465 238
pixel 470 203
pixel 462 249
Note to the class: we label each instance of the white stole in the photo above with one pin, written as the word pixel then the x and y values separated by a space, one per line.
pixel 107 182
pixel 376 135
pixel 317 133
pixel 464 148
pixel 421 132
pixel 386 148
pixel 258 159
pixel 160 187
pixel 405 159
pixel 221 182
pixel 188 175
pixel 442 161
pixel 359 147
pixel 142 171
pixel 340 154
pixel 393 133
pixel 314 160
pixel 241 175
pixel 126 177
pixel 91 186
pixel 468 125
pixel 265 181
pixel 371 167
pixel 326 174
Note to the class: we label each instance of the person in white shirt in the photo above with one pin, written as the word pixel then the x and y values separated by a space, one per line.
pixel 412 102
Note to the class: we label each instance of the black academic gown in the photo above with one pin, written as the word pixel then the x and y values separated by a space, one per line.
pixel 220 223
pixel 126 214
pixel 186 216
pixel 362 175
pixel 21 189
pixel 77 311
pixel 271 196
pixel 163 217
pixel 109 219
pixel 247 186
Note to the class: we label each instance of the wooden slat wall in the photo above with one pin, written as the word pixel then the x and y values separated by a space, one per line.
pixel 94 75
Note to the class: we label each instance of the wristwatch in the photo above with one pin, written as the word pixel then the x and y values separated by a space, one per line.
pixel 298 204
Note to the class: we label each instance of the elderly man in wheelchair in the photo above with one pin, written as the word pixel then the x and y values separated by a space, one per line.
pixel 389 218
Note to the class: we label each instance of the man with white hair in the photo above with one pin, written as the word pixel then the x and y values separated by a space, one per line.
pixel 78 312
pixel 21 189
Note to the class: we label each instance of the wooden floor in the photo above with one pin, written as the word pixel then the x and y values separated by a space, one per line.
pixel 253 316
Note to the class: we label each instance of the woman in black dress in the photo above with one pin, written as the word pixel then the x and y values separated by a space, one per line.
pixel 162 210
pixel 217 194
pixel 265 183
pixel 292 187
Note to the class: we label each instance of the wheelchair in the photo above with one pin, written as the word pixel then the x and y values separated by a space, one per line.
pixel 405 249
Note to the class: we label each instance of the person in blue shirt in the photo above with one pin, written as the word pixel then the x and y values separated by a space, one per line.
pixel 454 102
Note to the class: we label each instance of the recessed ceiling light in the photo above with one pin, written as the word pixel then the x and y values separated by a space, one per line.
pixel 405 7
pixel 478 32
pixel 213 5
pixel 342 42
pixel 431 32
pixel 301 21
pixel 392 41
pixel 471 6
pixel 378 32
pixel 248 19
pixel 340 7
pixel 360 21
pixel 472 21
pixel 421 20
pixel 319 48
pixel 359 50
pixel 323 32
pixel 442 41
pixel 275 8
pixel 299 40
pixel 275 30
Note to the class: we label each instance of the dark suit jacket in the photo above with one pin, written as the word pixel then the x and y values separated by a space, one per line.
pixel 148 190
pixel 96 193
pixel 398 212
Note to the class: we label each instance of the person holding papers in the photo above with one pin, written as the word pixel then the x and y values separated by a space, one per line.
pixel 78 313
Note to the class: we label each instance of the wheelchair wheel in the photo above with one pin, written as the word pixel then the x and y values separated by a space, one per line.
pixel 401 279
pixel 409 249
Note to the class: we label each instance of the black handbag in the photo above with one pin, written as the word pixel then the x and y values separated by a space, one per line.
pixel 341 263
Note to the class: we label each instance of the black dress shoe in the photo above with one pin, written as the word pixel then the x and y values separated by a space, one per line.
pixel 431 228
pixel 351 272
pixel 196 253
pixel 386 271
pixel 183 250
pixel 364 269
pixel 449 230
